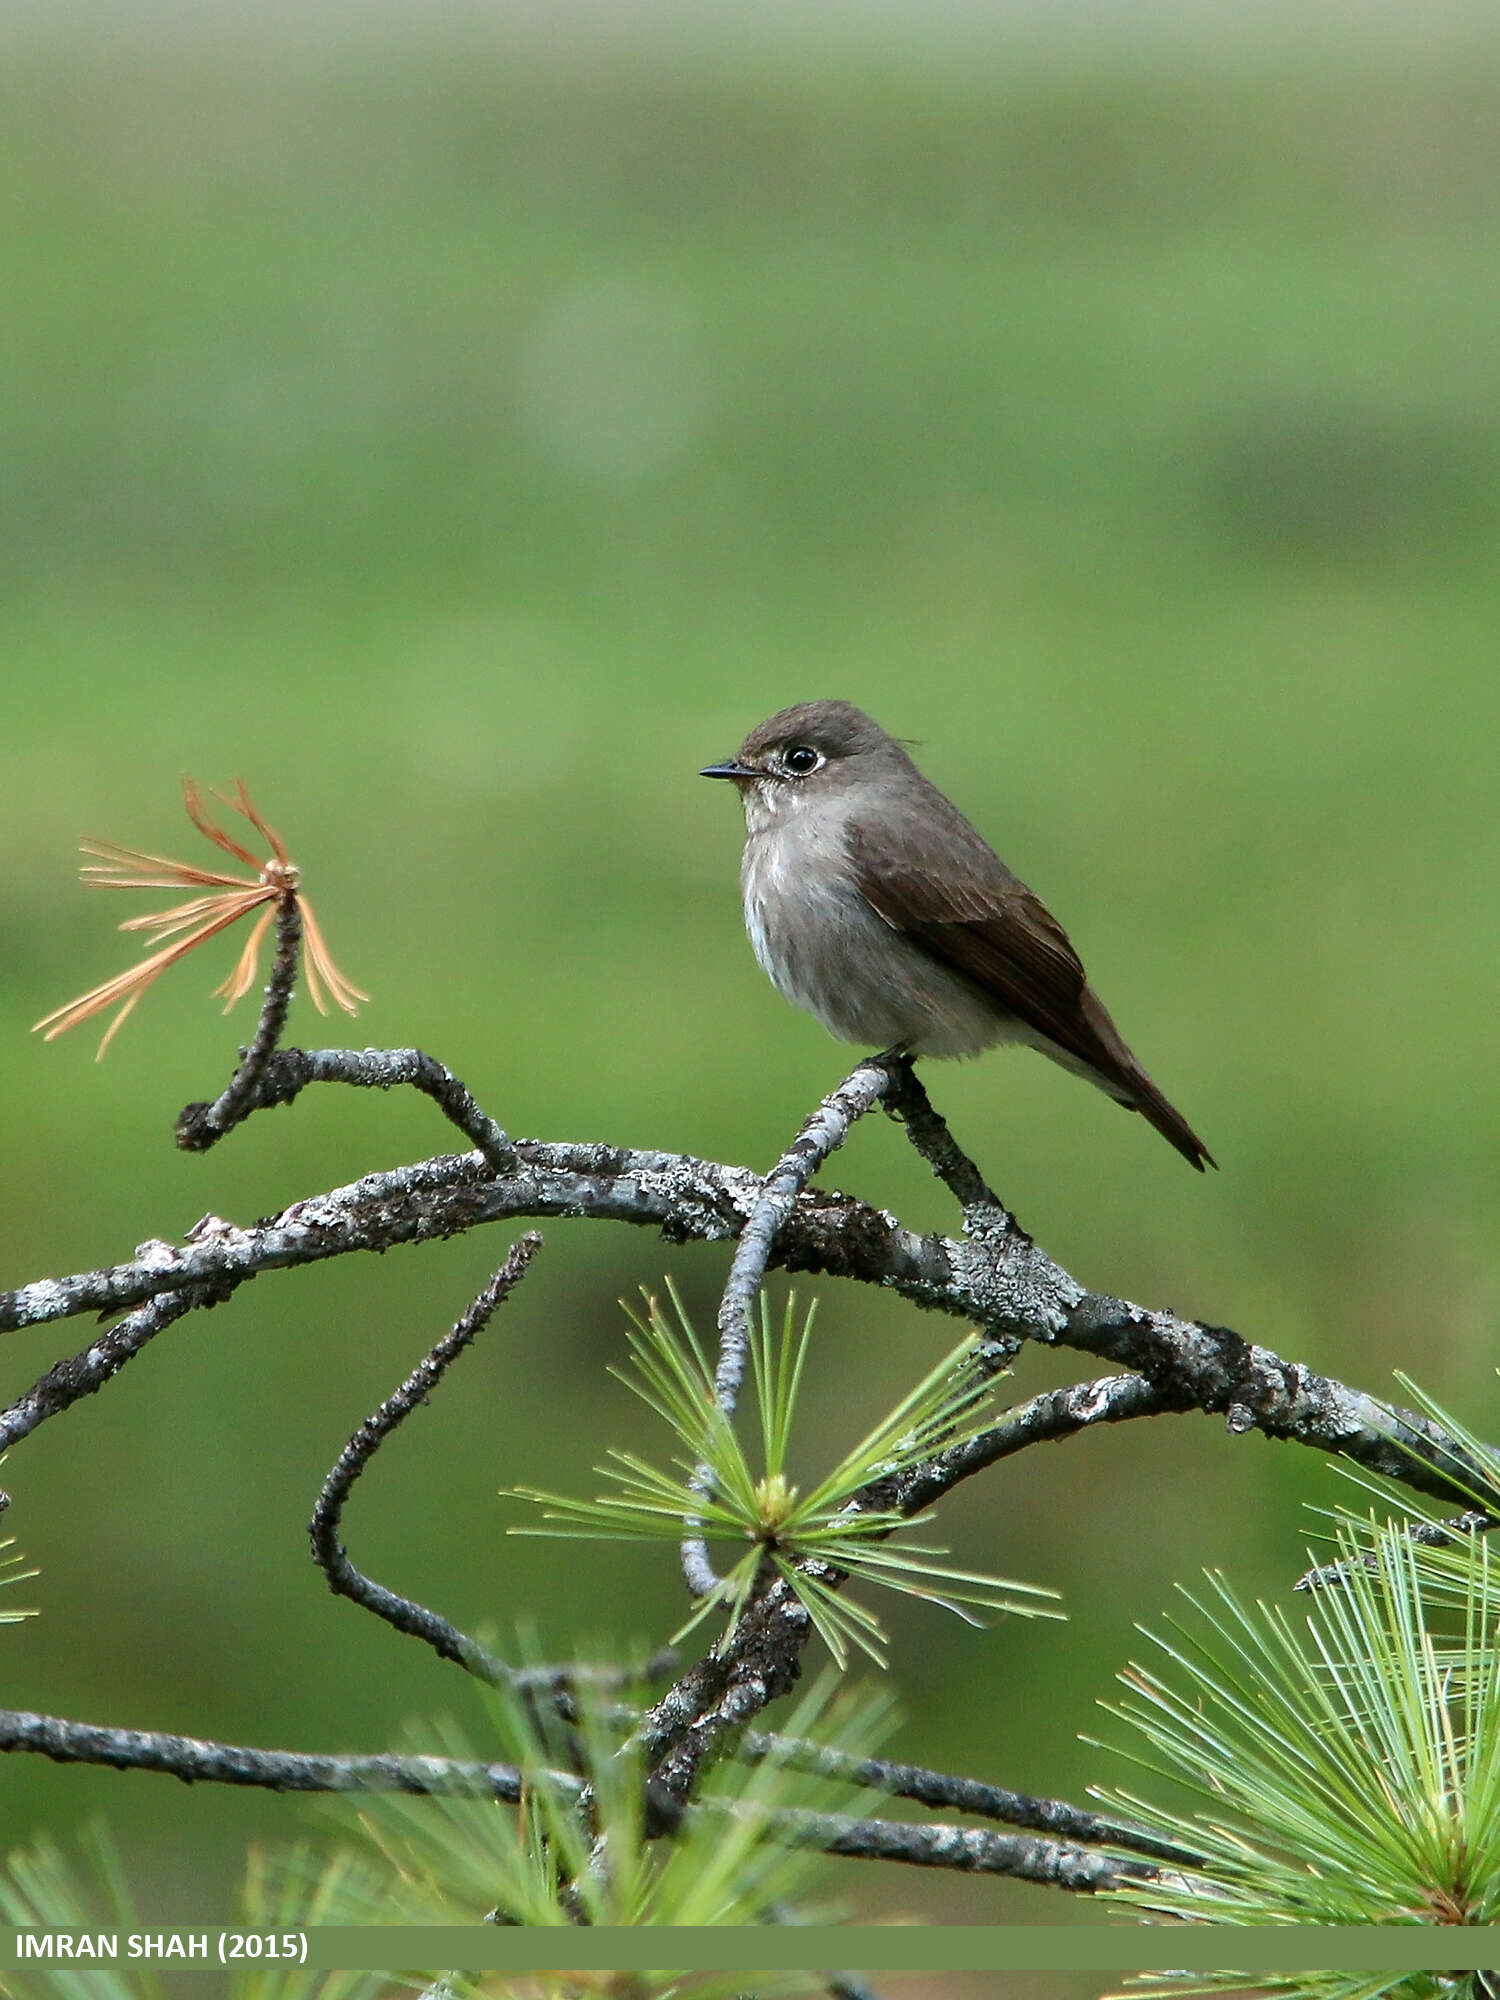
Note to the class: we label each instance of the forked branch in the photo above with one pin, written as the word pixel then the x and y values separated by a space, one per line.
pixel 993 1275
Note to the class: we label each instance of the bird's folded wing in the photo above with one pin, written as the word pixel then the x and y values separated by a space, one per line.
pixel 972 914
pixel 979 919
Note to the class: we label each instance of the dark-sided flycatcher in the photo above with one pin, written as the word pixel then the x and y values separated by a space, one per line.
pixel 872 902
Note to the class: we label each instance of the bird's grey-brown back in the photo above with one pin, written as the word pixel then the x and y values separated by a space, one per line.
pixel 873 903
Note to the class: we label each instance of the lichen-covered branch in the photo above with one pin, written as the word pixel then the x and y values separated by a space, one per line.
pixel 686 1199
pixel 86 1372
pixel 947 1790
pixel 197 1762
pixel 821 1135
pixel 705 1712
pixel 1000 1280
pixel 970 1850
pixel 1048 1418
pixel 281 1077
pixel 994 1276
pixel 193 1760
pixel 203 1125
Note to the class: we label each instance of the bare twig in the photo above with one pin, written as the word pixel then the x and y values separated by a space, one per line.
pixel 1048 1418
pixel 942 1789
pixel 199 1762
pixel 908 1103
pixel 709 1708
pixel 283 1075
pixel 823 1133
pixel 1426 1534
pixel 265 1078
pixel 84 1373
pixel 970 1850
pixel 988 1224
pixel 328 1552
pixel 202 1125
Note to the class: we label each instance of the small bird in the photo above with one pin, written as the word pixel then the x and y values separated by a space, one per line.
pixel 872 902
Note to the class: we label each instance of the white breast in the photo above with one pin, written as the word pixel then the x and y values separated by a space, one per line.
pixel 822 946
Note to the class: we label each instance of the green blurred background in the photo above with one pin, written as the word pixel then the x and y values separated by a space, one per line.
pixel 464 443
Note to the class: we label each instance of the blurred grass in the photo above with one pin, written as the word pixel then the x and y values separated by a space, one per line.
pixel 467 451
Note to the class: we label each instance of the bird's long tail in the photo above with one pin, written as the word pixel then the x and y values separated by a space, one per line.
pixel 1168 1120
pixel 1128 1084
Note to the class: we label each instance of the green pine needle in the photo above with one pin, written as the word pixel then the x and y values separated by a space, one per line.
pixel 811 1539
pixel 10 1572
pixel 1338 1768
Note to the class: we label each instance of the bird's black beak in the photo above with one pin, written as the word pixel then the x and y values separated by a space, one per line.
pixel 733 769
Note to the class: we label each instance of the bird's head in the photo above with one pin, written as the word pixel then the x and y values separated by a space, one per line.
pixel 804 755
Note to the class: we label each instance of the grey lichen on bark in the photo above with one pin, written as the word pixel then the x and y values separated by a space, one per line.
pixel 992 1275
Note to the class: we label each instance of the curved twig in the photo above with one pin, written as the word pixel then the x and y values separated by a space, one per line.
pixel 1048 1418
pixel 283 1075
pixel 1426 1534
pixel 430 1200
pixel 822 1134
pixel 328 1551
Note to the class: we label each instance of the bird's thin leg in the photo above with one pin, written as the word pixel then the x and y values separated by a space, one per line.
pixel 986 1217
pixel 898 1060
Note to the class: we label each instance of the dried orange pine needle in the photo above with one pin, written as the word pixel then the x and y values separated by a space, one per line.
pixel 223 901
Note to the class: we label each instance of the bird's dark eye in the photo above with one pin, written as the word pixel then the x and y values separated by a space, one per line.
pixel 801 759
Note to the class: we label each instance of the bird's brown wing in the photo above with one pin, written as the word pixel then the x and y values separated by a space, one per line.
pixel 980 919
